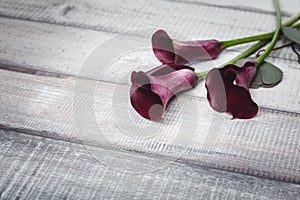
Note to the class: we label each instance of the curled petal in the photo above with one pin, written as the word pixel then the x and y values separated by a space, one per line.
pixel 146 103
pixel 150 94
pixel 167 85
pixel 228 90
pixel 170 51
pixel 191 51
pixel 166 69
pixel 240 103
pixel 162 47
pixel 216 91
pixel 244 73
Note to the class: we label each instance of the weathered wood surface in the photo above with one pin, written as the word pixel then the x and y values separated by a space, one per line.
pixel 39 168
pixel 59 38
pixel 99 113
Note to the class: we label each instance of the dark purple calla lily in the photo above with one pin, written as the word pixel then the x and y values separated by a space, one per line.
pixel 228 90
pixel 170 51
pixel 151 91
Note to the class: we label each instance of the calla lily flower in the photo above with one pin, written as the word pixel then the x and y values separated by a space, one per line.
pixel 228 89
pixel 151 91
pixel 170 51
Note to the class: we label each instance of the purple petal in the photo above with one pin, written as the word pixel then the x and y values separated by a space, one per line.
pixel 191 51
pixel 150 94
pixel 170 51
pixel 146 103
pixel 216 93
pixel 133 76
pixel 168 85
pixel 240 103
pixel 162 47
pixel 167 68
pixel 228 90
pixel 245 73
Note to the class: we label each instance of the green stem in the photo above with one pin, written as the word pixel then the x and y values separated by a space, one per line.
pixel 255 47
pixel 238 41
pixel 296 26
pixel 247 53
pixel 265 36
pixel 261 58
pixel 244 54
pixel 252 49
pixel 202 75
pixel 292 20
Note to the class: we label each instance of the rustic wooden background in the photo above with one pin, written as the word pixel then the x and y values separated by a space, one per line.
pixel 67 129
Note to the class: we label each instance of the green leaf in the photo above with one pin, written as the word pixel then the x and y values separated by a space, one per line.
pixel 257 81
pixel 291 33
pixel 267 75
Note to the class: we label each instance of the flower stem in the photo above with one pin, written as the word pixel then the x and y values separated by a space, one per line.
pixel 260 44
pixel 254 38
pixel 247 53
pixel 244 54
pixel 252 49
pixel 292 20
pixel 261 58
pixel 296 26
pixel 202 75
pixel 265 36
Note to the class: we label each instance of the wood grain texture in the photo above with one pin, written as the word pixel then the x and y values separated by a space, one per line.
pixel 57 38
pixel 119 16
pixel 99 114
pixel 260 6
pixel 41 168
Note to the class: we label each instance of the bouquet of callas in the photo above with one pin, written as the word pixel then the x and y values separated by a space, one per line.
pixel 227 85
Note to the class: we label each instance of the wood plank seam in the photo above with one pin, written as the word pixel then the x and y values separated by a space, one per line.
pixel 32 71
pixel 109 30
pixel 187 162
pixel 64 24
pixel 65 75
pixel 58 169
pixel 198 163
pixel 229 7
pixel 258 171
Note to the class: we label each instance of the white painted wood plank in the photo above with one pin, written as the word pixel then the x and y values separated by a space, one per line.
pixel 120 16
pixel 99 113
pixel 39 168
pixel 45 47
pixel 287 6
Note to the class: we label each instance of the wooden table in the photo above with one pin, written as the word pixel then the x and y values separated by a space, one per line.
pixel 68 130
